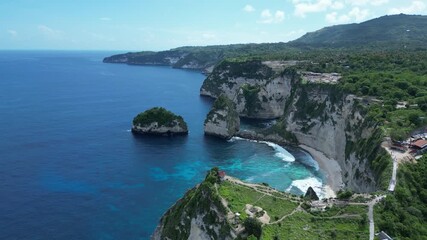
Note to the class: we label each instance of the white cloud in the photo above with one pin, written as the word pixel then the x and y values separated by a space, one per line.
pixel 356 14
pixel 302 8
pixel 279 16
pixel 267 17
pixel 249 8
pixel 333 17
pixel 49 32
pixel 378 2
pixel 366 2
pixel 357 2
pixel 337 5
pixel 266 13
pixel 105 19
pixel 415 7
pixel 13 33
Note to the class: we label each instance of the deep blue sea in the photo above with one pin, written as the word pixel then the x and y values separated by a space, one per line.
pixel 71 169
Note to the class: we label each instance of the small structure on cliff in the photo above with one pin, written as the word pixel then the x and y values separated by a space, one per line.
pixel 223 120
pixel 159 121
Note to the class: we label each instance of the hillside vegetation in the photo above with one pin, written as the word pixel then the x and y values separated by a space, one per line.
pixel 389 31
pixel 160 115
pixel 403 215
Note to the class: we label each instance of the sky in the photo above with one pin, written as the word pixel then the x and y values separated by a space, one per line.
pixel 163 24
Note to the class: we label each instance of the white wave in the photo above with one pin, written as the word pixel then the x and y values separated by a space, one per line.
pixel 304 184
pixel 233 139
pixel 128 130
pixel 280 151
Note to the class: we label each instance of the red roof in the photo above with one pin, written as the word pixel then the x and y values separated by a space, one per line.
pixel 221 174
pixel 420 143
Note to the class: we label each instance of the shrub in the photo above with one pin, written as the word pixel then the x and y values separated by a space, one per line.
pixel 253 227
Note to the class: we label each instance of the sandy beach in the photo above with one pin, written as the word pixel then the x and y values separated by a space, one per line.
pixel 331 169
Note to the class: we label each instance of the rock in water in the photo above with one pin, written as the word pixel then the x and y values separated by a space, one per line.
pixel 159 121
pixel 311 194
pixel 223 120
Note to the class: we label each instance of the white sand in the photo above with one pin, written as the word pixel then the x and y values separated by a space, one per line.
pixel 331 169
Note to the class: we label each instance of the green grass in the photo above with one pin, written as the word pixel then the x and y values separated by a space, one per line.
pixel 301 224
pixel 238 196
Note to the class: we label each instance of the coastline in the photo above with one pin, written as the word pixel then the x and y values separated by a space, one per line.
pixel 331 169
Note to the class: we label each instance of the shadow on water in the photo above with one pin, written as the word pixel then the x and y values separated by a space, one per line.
pixel 218 150
pixel 206 100
pixel 173 142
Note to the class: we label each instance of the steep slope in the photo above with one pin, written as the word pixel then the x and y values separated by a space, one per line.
pixel 322 117
pixel 408 31
pixel 223 120
pixel 258 90
pixel 198 215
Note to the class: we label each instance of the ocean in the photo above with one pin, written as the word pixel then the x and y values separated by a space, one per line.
pixel 71 168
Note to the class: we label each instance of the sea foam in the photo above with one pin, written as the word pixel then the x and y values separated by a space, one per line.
pixel 280 151
pixel 304 184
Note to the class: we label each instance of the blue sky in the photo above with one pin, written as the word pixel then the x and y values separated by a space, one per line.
pixel 164 24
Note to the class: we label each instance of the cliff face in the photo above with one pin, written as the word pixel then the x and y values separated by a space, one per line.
pixel 200 214
pixel 313 113
pixel 175 128
pixel 223 120
pixel 322 118
pixel 257 89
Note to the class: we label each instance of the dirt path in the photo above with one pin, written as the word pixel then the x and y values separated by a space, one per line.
pixel 371 205
pixel 297 209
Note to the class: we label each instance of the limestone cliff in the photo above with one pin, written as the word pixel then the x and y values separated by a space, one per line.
pixel 199 215
pixel 313 113
pixel 186 58
pixel 322 117
pixel 159 121
pixel 259 90
pixel 223 120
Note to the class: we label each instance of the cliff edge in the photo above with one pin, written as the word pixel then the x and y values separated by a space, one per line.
pixel 223 120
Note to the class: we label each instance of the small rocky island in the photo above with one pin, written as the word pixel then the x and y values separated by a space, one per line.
pixel 223 120
pixel 159 121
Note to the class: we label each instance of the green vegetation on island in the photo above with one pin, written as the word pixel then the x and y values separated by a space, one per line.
pixel 159 121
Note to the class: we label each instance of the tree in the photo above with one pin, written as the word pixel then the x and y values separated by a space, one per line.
pixel 414 118
pixel 398 134
pixel 253 227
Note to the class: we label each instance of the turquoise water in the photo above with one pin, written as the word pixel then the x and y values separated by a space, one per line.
pixel 70 167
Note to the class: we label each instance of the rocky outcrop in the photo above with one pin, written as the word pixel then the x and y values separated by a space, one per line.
pixel 223 120
pixel 311 194
pixel 159 121
pixel 200 214
pixel 258 90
